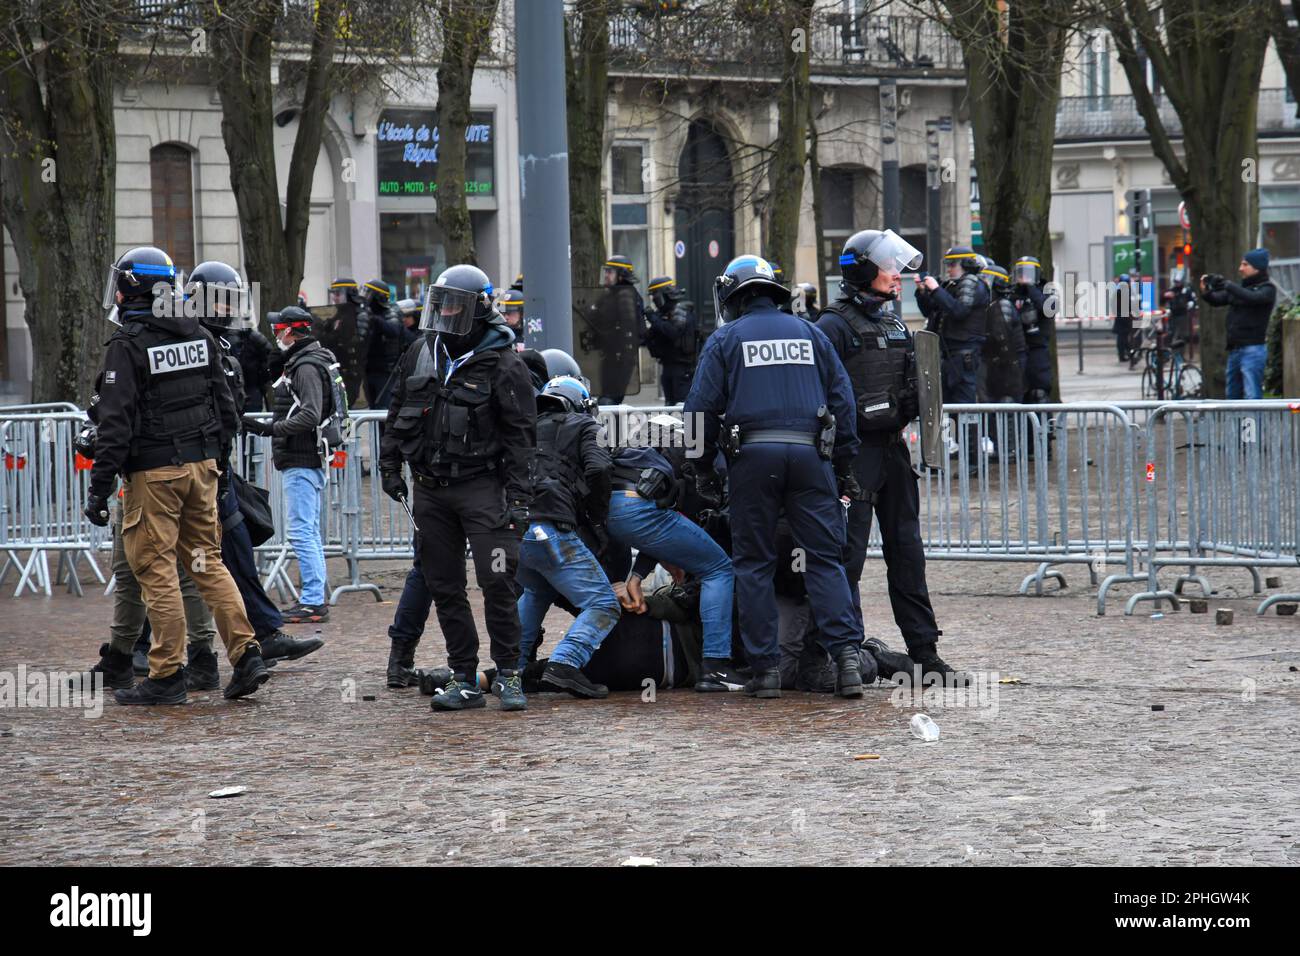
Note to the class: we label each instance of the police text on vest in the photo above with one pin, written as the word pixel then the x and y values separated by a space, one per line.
pixel 779 352
pixel 177 357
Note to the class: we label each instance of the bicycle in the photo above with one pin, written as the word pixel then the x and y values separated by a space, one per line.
pixel 1167 375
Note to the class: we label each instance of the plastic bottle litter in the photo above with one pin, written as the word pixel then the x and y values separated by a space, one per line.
pixel 924 728
pixel 1159 615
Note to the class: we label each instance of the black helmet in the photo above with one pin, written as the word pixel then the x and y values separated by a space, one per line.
pixel 460 298
pixel 518 284
pixel 536 368
pixel 215 294
pixel 809 294
pixel 623 267
pixel 378 293
pixel 348 287
pixel 777 271
pixel 409 306
pixel 747 274
pixel 869 251
pixel 560 362
pixel 565 393
pixel 1028 271
pixel 965 256
pixel 999 278
pixel 663 289
pixel 142 273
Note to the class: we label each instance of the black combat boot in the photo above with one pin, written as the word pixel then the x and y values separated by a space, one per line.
pixel 114 665
pixel 165 690
pixel 719 676
pixel 201 671
pixel 764 684
pixel 250 674
pixel 279 646
pixel 401 665
pixel 140 654
pixel 927 656
pixel 848 672
pixel 893 667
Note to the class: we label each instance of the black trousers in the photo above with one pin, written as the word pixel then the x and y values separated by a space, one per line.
pixel 448 515
pixel 676 382
pixel 885 473
pixel 238 556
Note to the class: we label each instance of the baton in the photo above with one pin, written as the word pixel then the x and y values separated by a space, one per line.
pixel 407 509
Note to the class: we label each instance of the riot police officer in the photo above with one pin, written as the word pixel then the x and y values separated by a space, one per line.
pixel 346 334
pixel 778 383
pixel 216 294
pixel 672 337
pixel 1004 350
pixel 166 420
pixel 878 354
pixel 805 301
pixel 384 345
pixel 1032 304
pixel 616 322
pixel 1179 301
pixel 955 310
pixel 512 310
pixel 463 416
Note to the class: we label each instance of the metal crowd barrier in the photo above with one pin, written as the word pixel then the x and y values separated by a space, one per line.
pixel 1123 488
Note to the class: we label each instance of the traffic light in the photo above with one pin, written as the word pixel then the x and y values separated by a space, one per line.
pixel 1138 208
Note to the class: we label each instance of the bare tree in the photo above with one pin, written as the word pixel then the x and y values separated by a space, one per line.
pixel 58 63
pixel 586 70
pixel 466 27
pixel 1208 60
pixel 792 19
pixel 1286 37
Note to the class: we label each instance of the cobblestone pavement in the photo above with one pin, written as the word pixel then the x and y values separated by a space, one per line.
pixel 1071 765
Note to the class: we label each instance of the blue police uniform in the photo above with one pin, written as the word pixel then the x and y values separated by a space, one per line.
pixel 768 373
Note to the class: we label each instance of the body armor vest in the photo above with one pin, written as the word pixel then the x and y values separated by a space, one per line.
pixel 447 429
pixel 1002 351
pixel 960 333
pixel 177 420
pixel 1031 321
pixel 880 367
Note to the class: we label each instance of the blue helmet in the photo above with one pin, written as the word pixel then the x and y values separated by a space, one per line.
pixel 567 393
pixel 750 274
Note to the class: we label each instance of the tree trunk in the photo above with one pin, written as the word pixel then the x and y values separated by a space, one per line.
pixel 1209 64
pixel 793 20
pixel 59 160
pixel 466 28
pixel 586 68
pixel 815 181
pixel 1013 70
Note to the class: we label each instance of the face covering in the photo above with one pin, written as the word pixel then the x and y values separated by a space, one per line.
pixel 281 343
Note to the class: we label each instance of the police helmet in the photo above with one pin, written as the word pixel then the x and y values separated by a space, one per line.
pixel 378 293
pixel 145 272
pixel 511 300
pixel 998 278
pixel 622 268
pixel 964 256
pixel 663 289
pixel 347 288
pixel 777 271
pixel 1028 271
pixel 745 275
pixel 561 363
pixel 871 250
pixel 536 368
pixel 809 294
pixel 409 306
pixel 461 297
pixel 566 393
pixel 518 284
pixel 216 294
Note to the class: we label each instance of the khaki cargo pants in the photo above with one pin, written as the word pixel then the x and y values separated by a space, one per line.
pixel 170 513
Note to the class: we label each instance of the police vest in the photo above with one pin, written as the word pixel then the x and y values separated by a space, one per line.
pixel 448 429
pixel 177 420
pixel 879 366
pixel 1030 320
pixel 968 290
pixel 556 472
pixel 234 373
pixel 1002 351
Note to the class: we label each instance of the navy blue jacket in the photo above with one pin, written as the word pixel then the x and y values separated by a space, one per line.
pixel 771 369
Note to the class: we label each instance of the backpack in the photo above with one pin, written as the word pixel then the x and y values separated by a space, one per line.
pixel 335 428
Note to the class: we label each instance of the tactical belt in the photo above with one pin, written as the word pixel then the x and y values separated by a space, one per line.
pixel 618 485
pixel 777 435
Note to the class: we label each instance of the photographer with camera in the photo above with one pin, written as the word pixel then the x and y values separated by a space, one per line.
pixel 1250 303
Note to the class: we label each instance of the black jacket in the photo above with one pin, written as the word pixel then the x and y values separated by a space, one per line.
pixel 125 442
pixel 570 473
pixel 386 339
pixel 254 352
pixel 1250 304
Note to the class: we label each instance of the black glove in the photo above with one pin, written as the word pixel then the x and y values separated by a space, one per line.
pixel 256 426
pixel 223 483
pixel 708 485
pixel 846 482
pixel 96 510
pixel 673 495
pixel 519 517
pixel 394 485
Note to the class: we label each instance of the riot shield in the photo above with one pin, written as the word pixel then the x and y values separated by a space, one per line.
pixel 929 393
pixel 336 329
pixel 607 326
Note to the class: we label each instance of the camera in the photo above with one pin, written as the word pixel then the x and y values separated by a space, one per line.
pixel 1215 281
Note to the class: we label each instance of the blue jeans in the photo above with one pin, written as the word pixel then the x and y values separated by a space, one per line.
pixel 672 537
pixel 561 564
pixel 1246 372
pixel 303 488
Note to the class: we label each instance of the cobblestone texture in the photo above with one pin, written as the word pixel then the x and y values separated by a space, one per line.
pixel 1072 767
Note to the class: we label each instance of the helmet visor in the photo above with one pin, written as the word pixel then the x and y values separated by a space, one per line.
pixel 448 311
pixel 110 286
pixel 892 253
pixel 223 306
pixel 1027 272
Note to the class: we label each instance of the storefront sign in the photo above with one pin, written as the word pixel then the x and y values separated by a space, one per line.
pixel 409 142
